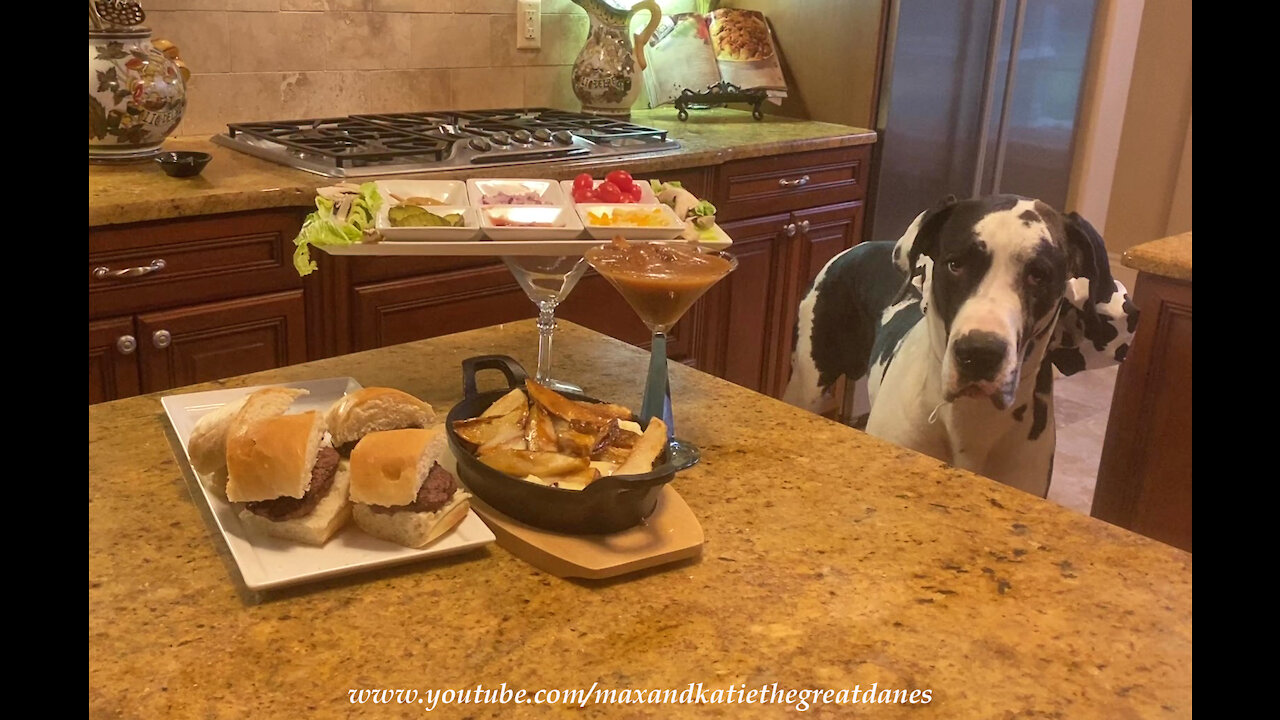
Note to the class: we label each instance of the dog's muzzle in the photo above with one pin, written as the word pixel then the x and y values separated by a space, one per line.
pixel 980 357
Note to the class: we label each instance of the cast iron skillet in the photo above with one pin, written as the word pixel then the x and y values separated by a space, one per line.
pixel 607 505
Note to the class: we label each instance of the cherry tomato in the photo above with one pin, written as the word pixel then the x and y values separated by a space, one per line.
pixel 583 181
pixel 633 195
pixel 622 179
pixel 609 192
pixel 583 195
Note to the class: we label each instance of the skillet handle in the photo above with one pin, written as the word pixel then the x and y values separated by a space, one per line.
pixel 508 365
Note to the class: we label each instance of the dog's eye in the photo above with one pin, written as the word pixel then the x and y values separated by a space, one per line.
pixel 955 265
pixel 1036 275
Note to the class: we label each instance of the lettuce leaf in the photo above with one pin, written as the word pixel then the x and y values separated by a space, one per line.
pixel 323 228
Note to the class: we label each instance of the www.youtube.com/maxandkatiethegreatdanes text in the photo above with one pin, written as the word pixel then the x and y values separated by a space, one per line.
pixel 693 694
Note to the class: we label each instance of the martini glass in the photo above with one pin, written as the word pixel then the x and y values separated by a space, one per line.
pixel 660 286
pixel 547 281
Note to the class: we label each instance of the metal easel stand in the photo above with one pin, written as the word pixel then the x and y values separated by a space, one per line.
pixel 720 93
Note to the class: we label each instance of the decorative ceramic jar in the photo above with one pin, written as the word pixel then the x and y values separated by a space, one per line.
pixel 606 75
pixel 137 93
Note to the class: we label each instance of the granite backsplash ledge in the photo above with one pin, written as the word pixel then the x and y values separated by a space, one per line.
pixel 288 59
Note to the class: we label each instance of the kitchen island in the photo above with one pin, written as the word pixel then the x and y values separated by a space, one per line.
pixel 832 560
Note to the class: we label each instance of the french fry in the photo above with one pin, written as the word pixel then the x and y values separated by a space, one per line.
pixel 646 450
pixel 531 462
pixel 539 430
pixel 483 430
pixel 506 403
pixel 572 410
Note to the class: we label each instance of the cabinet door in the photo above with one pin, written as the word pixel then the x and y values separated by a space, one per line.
pixel 207 342
pixel 742 311
pixel 822 233
pixel 113 360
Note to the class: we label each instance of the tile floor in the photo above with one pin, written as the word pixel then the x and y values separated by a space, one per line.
pixel 1081 404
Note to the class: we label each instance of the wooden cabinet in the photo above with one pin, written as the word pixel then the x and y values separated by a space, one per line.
pixel 1144 475
pixel 217 296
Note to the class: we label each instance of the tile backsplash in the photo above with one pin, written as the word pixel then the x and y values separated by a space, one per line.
pixel 289 59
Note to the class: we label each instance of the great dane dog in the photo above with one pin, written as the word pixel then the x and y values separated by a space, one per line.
pixel 958 326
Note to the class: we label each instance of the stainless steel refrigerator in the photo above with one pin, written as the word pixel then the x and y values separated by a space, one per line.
pixel 976 97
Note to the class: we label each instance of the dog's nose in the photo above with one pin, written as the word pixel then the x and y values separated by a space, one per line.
pixel 979 354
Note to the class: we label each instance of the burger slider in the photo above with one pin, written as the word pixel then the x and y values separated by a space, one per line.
pixel 287 473
pixel 374 409
pixel 400 491
pixel 207 444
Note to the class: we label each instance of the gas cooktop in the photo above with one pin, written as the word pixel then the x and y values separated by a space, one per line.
pixel 418 142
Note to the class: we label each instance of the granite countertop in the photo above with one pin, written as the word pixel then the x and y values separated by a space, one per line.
pixel 234 181
pixel 1169 257
pixel 832 559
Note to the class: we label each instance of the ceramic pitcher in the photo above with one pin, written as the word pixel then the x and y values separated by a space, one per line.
pixel 137 93
pixel 606 75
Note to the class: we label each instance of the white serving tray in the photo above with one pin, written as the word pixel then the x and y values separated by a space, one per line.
pixel 548 190
pixel 469 230
pixel 672 230
pixel 646 192
pixel 267 562
pixel 448 192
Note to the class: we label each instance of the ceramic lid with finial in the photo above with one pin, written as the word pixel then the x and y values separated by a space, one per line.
pixel 117 17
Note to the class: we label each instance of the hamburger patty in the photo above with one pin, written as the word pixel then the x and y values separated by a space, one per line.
pixel 287 508
pixel 436 492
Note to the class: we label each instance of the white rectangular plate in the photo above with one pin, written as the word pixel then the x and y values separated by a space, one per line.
pixel 548 190
pixel 267 562
pixel 448 192
pixel 480 248
pixel 673 228
pixel 646 191
pixel 468 232
pixel 565 223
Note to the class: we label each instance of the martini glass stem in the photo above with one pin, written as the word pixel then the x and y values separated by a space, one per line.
pixel 657 388
pixel 546 327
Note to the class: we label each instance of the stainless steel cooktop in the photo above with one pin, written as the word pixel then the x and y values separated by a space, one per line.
pixel 401 143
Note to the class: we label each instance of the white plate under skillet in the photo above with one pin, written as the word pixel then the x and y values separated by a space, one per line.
pixel 672 228
pixel 480 188
pixel 555 222
pixel 268 562
pixel 444 192
pixel 646 191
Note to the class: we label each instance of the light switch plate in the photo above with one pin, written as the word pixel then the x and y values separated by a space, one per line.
pixel 528 24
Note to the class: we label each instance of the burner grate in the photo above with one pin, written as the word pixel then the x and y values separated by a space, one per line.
pixel 346 141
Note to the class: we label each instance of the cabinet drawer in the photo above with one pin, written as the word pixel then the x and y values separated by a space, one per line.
pixel 214 258
pixel 763 186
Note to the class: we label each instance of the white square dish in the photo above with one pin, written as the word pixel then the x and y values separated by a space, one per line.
pixel 445 192
pixel 671 230
pixel 564 222
pixel 478 189
pixel 470 229
pixel 646 192
pixel 268 562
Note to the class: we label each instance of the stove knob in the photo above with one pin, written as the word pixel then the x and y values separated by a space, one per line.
pixel 501 138
pixel 542 135
pixel 480 144
pixel 564 137
pixel 521 136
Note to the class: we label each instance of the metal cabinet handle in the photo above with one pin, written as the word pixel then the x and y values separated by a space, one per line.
pixel 161 339
pixel 804 226
pixel 789 229
pixel 126 344
pixel 798 182
pixel 104 272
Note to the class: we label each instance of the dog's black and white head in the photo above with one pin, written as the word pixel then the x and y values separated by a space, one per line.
pixel 999 270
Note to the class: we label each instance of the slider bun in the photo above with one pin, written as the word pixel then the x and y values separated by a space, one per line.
pixel 328 517
pixel 207 444
pixel 388 468
pixel 273 458
pixel 413 529
pixel 374 409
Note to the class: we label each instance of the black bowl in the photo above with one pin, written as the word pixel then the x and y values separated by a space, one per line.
pixel 182 164
pixel 608 505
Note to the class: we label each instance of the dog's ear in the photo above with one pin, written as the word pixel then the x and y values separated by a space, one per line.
pixel 925 241
pixel 1087 256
